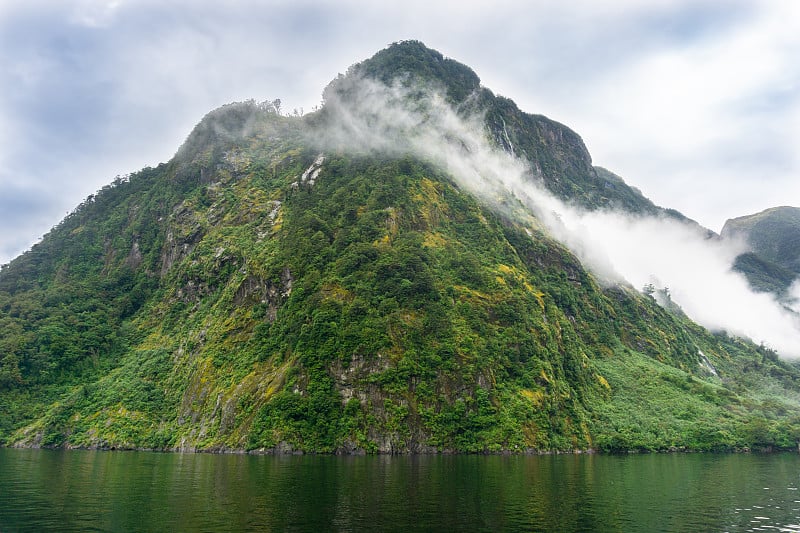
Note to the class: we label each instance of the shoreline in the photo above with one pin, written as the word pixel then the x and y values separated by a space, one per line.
pixel 288 451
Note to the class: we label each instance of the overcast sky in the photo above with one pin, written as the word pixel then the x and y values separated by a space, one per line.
pixel 697 103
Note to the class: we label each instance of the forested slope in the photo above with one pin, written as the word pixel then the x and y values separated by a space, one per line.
pixel 267 290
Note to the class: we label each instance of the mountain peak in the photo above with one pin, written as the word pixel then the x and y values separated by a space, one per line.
pixel 413 62
pixel 555 154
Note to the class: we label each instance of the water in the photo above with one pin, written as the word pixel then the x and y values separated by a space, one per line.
pixel 50 490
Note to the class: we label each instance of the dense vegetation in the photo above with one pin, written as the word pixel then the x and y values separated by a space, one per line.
pixel 254 293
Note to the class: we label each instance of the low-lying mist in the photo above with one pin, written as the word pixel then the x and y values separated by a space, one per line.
pixel 617 247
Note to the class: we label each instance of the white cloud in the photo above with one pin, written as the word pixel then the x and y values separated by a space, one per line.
pixel 695 269
pixel 94 13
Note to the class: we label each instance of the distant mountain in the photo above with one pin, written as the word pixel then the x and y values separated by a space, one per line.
pixel 336 283
pixel 773 236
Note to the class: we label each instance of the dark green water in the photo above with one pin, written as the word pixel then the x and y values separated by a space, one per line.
pixel 47 490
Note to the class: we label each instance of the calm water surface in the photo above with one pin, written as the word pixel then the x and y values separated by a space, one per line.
pixel 50 490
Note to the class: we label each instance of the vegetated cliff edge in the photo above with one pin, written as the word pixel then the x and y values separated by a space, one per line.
pixel 265 292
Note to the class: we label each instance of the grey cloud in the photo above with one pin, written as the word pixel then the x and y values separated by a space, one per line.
pixel 25 214
pixel 88 92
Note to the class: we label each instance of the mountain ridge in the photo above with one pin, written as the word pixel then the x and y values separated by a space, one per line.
pixel 772 233
pixel 772 262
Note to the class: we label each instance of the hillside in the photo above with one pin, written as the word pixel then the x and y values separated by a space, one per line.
pixel 334 283
pixel 773 237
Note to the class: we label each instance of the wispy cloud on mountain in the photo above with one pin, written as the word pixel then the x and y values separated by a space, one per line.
pixel 687 112
pixel 616 246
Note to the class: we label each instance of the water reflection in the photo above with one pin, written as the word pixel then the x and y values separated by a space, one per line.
pixel 136 491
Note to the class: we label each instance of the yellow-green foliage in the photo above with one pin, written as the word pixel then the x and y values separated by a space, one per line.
pixel 219 302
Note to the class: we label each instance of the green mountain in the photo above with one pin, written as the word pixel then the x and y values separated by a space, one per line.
pixel 291 283
pixel 773 236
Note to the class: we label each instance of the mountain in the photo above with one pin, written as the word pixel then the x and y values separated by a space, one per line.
pixel 773 237
pixel 362 279
pixel 773 234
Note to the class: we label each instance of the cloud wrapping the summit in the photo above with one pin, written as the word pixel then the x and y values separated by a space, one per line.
pixel 617 247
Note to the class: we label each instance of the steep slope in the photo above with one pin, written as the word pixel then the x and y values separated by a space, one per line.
pixel 773 236
pixel 268 289
pixel 557 155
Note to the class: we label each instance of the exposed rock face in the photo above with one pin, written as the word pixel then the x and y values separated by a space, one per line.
pixel 134 258
pixel 255 290
pixel 183 234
